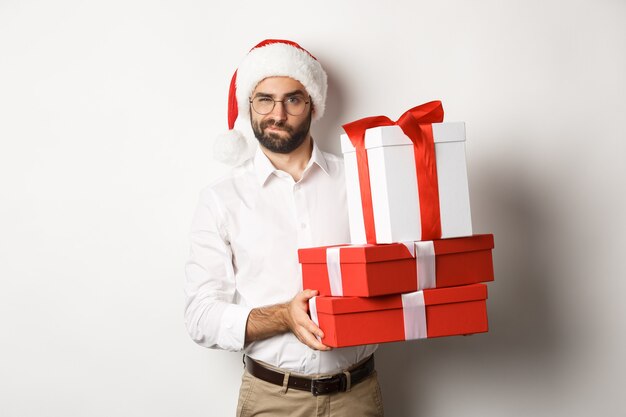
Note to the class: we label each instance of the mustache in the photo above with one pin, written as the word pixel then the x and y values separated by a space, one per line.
pixel 282 125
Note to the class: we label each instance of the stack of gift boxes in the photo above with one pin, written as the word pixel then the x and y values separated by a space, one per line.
pixel 414 268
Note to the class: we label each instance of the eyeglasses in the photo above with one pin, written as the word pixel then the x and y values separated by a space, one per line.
pixel 294 105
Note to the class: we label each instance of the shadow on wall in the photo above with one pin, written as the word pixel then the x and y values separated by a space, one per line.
pixel 326 131
pixel 523 338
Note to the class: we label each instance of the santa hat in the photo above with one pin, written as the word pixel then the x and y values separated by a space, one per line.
pixel 270 58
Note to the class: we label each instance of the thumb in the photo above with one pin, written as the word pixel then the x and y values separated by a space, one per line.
pixel 308 294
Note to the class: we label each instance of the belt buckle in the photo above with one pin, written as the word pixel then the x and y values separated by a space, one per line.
pixel 340 379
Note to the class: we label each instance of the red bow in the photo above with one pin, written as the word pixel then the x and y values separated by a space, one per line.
pixel 416 123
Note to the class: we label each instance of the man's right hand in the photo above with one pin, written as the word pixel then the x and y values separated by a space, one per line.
pixel 264 322
pixel 300 324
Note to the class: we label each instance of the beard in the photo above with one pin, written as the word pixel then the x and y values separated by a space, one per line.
pixel 280 143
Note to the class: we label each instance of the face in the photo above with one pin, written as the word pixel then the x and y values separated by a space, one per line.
pixel 279 131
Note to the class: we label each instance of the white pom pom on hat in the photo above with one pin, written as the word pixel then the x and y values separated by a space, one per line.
pixel 270 58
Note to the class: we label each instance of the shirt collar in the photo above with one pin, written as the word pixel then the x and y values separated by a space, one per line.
pixel 263 167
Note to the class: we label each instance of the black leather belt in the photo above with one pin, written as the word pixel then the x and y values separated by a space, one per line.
pixel 317 386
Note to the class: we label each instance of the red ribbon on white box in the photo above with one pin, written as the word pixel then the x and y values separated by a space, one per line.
pixel 416 123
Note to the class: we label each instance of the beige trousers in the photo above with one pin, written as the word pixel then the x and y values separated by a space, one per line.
pixel 259 398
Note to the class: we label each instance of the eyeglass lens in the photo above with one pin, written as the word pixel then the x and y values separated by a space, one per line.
pixel 294 105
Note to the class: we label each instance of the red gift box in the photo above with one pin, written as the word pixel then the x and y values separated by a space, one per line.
pixel 373 270
pixel 351 321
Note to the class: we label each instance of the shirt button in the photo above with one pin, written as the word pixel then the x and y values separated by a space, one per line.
pixel 313 356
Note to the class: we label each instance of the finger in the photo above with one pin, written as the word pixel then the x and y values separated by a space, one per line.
pixel 305 321
pixel 311 341
pixel 308 294
pixel 314 329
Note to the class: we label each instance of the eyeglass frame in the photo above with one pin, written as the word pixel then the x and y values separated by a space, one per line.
pixel 250 100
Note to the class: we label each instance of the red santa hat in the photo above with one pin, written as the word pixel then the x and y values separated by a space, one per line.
pixel 270 58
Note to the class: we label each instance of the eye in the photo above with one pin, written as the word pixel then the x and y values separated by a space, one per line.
pixel 263 100
pixel 295 100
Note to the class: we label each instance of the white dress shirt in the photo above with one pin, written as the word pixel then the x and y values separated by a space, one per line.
pixel 244 240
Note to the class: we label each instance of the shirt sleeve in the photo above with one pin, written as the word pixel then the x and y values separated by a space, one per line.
pixel 212 318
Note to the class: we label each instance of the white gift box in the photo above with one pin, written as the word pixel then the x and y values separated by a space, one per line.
pixel 394 187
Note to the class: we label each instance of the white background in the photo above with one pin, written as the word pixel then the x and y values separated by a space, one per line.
pixel 108 110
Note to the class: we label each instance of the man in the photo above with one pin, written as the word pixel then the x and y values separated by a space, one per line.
pixel 243 284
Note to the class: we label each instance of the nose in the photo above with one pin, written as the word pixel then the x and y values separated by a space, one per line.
pixel 278 112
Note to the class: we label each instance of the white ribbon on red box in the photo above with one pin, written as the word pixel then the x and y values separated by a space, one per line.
pixel 313 313
pixel 423 252
pixel 413 311
pixel 413 306
pixel 333 265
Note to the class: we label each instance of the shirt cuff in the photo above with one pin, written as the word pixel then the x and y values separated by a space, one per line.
pixel 233 329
